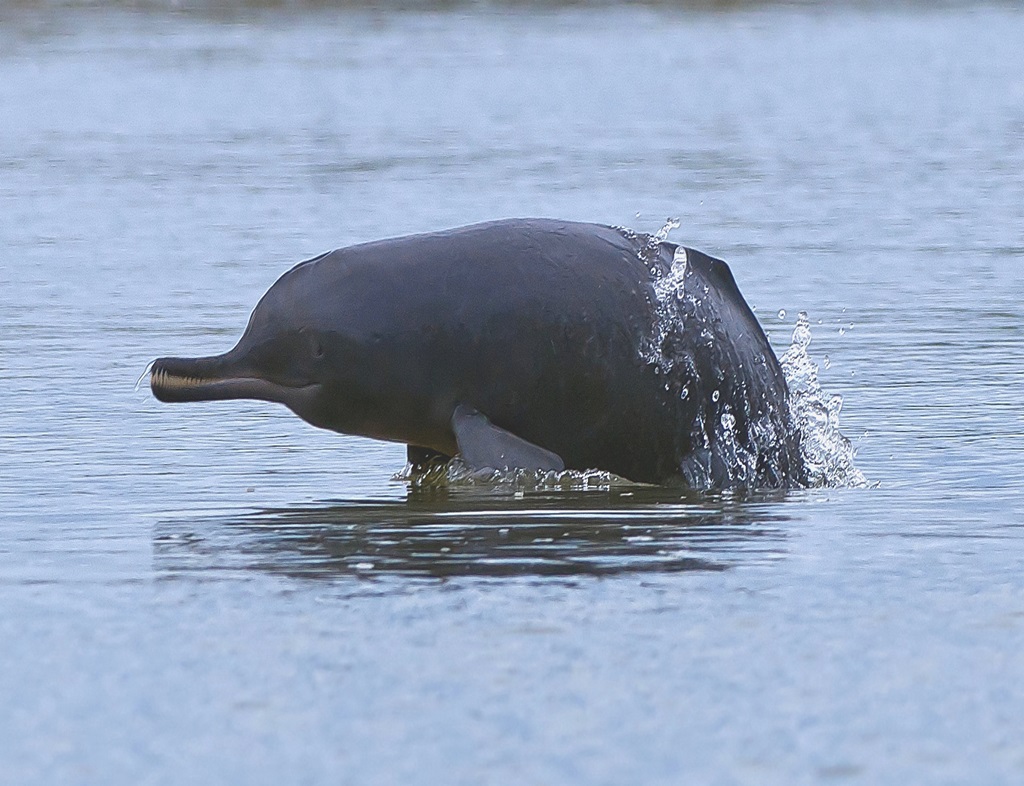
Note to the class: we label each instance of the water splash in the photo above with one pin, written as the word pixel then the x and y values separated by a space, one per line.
pixel 733 445
pixel 827 454
pixel 669 293
pixel 662 234
pixel 454 474
pixel 649 245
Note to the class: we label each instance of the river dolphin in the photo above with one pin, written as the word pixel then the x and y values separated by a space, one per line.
pixel 535 344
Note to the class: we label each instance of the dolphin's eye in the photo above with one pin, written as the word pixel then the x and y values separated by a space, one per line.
pixel 316 346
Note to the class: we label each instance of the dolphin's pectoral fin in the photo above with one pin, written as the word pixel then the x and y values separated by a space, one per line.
pixel 423 459
pixel 483 445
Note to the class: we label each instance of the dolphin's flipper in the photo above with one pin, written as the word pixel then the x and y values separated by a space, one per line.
pixel 482 445
pixel 422 459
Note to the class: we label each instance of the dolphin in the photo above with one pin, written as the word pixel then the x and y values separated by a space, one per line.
pixel 531 344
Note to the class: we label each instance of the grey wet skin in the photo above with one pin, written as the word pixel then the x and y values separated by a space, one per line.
pixel 515 344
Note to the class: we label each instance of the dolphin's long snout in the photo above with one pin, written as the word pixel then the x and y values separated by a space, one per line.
pixel 229 376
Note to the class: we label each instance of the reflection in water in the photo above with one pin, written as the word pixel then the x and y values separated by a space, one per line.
pixel 470 532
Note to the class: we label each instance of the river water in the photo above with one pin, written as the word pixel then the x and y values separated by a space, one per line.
pixel 219 593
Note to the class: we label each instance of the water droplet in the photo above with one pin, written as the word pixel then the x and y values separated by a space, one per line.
pixel 802 331
pixel 662 234
pixel 782 313
pixel 835 404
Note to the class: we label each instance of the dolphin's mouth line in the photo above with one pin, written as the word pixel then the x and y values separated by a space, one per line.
pixel 169 386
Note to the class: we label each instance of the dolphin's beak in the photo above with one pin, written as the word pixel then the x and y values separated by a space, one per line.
pixel 210 379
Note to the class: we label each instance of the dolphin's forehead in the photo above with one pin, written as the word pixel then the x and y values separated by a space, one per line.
pixel 281 310
pixel 341 297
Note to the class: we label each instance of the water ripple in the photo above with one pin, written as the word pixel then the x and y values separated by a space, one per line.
pixel 445 535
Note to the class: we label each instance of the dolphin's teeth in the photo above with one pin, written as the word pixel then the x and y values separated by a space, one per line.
pixel 161 378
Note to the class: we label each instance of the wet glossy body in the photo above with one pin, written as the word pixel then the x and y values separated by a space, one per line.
pixel 541 327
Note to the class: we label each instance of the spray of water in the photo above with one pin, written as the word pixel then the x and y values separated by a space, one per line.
pixel 827 454
pixel 455 474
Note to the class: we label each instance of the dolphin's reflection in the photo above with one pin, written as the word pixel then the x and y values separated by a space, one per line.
pixel 446 534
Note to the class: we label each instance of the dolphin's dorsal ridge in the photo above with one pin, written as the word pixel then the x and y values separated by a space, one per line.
pixel 482 445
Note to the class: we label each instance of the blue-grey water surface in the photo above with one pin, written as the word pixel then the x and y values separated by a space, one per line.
pixel 218 593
